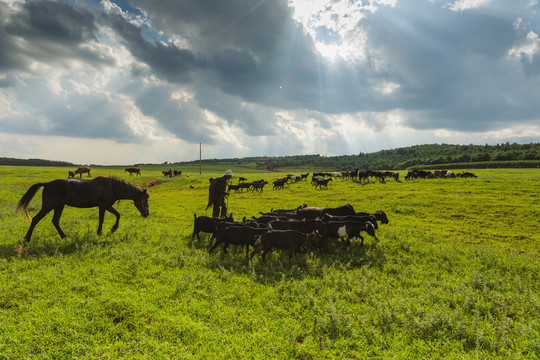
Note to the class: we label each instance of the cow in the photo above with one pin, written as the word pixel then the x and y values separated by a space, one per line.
pixel 291 240
pixel 83 170
pixel 133 170
pixel 168 173
pixel 468 174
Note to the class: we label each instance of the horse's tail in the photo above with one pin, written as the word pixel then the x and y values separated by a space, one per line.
pixel 26 198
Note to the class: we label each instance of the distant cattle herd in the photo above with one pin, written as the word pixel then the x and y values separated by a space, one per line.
pixel 321 180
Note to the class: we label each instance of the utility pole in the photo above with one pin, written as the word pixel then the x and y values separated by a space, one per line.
pixel 200 158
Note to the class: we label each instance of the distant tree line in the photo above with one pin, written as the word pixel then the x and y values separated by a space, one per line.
pixel 433 155
pixel 33 162
pixel 425 156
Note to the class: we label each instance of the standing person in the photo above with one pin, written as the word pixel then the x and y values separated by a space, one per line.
pixel 217 193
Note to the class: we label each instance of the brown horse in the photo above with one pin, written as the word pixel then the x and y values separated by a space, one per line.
pixel 101 191
pixel 82 170
pixel 132 170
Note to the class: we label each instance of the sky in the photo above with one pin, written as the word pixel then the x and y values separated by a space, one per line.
pixel 137 81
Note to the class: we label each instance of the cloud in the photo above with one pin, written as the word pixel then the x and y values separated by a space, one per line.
pixel 246 77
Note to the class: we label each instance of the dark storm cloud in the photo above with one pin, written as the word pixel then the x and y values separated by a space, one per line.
pixel 167 61
pixel 250 46
pixel 52 31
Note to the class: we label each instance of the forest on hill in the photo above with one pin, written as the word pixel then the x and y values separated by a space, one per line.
pixel 32 162
pixel 432 156
pixel 419 156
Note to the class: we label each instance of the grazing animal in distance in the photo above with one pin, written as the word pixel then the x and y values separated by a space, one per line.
pixel 71 174
pixel 133 170
pixel 322 183
pixel 279 184
pixel 83 170
pixel 168 173
pixel 102 192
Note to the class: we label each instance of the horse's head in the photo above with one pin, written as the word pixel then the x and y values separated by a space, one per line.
pixel 141 203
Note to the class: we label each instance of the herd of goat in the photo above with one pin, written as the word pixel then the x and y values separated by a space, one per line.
pixel 293 230
pixel 321 179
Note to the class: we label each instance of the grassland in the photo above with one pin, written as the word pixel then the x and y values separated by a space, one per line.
pixel 455 274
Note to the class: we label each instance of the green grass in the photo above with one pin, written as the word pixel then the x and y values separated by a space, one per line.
pixel 455 274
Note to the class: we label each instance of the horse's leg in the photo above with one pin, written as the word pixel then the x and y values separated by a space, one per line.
pixel 117 214
pixel 101 218
pixel 56 220
pixel 40 215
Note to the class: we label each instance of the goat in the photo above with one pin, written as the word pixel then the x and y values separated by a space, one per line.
pixel 237 234
pixel 207 224
pixel 290 240
pixel 348 230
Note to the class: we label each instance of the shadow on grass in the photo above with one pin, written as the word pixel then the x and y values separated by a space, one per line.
pixel 312 263
pixel 54 245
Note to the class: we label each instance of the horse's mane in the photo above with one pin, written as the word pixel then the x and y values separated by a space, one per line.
pixel 120 185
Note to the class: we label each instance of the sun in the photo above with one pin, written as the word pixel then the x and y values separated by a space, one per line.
pixel 334 26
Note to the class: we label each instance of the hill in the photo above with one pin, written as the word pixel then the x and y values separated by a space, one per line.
pixel 430 155
pixel 33 162
pixel 433 155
